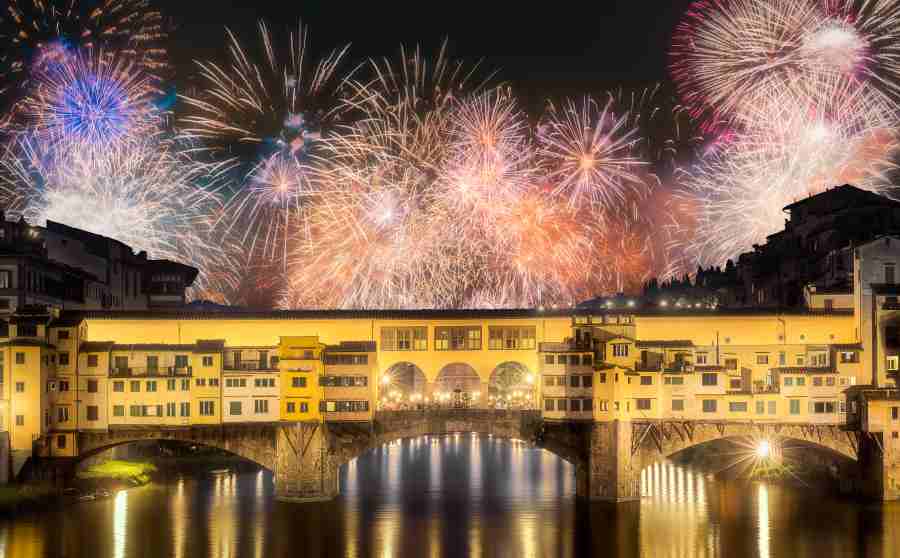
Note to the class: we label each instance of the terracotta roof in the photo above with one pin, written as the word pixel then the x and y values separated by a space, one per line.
pixel 96 346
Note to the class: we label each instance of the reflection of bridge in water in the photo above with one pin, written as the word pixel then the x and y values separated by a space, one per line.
pixel 608 457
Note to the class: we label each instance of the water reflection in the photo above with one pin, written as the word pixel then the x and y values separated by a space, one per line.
pixel 456 496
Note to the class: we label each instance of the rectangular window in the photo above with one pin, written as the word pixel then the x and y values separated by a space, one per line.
pixel 207 361
pixel 575 381
pixel 795 406
pixel 92 386
pixel 643 404
pixel 134 410
pixel 93 361
pixel 562 404
pixel 119 387
pixel 121 363
pixel 260 406
pixel 298 382
pixel 587 381
pixel 135 386
pixel 674 380
pixel 603 377
pixel 64 385
pixel 762 359
pixel 291 407
pixel 817 381
pixel 185 384
pixel 772 407
pixel 782 358
pixel 304 407
pixel 62 414
pixel 890 272
pixel 185 409
pixel 737 406
pixel 20 387
pixel 620 349
pixel 171 384
pixel 709 379
pixel 788 381
pixel 801 381
pixel 457 338
pixel 20 420
pixel 548 359
pixel 170 409
pixel 64 358
pixel 646 380
pixel 5 279
pixel 511 337
pixel 234 408
pixel 760 407
pixel 93 412
pixel 61 442
pixel 731 363
pixel 181 361
pixel 734 383
pixel 701 358
pixel 548 404
pixel 201 382
pixel 709 405
pixel 549 381
pixel 20 358
pixel 152 364
pixel 575 405
pixel 893 363
pixel 207 408
pixel 151 386
pixel 404 339
pixel 118 410
pixel 849 356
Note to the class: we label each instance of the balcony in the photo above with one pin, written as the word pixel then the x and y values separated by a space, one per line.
pixel 763 388
pixel 250 366
pixel 648 366
pixel 153 372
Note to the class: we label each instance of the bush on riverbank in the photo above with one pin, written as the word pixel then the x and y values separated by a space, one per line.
pixel 134 472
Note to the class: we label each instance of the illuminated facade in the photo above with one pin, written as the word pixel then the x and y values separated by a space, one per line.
pixel 102 371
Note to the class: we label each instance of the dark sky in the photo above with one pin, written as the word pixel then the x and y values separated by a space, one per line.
pixel 559 48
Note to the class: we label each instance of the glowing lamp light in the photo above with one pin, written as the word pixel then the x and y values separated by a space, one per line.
pixel 386 380
pixel 763 449
pixel 530 378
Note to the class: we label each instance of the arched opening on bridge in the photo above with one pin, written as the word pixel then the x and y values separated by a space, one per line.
pixel 774 458
pixel 458 386
pixel 403 387
pixel 512 386
pixel 464 463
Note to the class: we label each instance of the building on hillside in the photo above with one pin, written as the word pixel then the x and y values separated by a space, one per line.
pixel 67 268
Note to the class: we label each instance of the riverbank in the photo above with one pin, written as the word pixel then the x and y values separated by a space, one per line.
pixel 20 498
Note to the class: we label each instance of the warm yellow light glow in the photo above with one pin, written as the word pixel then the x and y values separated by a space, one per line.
pixel 763 449
pixel 386 380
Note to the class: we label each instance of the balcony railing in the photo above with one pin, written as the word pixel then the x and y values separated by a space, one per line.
pixel 249 366
pixel 760 387
pixel 648 366
pixel 156 371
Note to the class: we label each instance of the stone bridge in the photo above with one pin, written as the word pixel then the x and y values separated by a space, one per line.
pixel 608 456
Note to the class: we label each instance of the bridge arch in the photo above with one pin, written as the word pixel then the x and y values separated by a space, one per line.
pixel 511 386
pixel 253 442
pixel 458 385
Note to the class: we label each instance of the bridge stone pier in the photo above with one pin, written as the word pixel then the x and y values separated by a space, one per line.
pixel 608 456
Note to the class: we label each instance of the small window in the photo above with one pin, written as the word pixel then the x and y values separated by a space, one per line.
pixel 575 381
pixel 895 413
pixel 587 381
pixel 893 363
pixel 118 410
pixel 620 349
pixel 643 404
pixel 234 408
pixel 575 405
pixel 298 382
pixel 92 386
pixel 646 381
pixel 207 361
pixel 760 407
pixel 678 404
pixel 62 334
pixel 788 381
pixel 61 442
pixel 20 387
pixel 119 386
pixel 135 386
pixel 772 407
pixel 291 407
pixel 737 406
pixel 709 405
pixel 701 358
pixel 260 406
pixel 20 420
pixel 709 379
pixel 20 358
pixel 93 412
pixel 603 377
pixel 801 381
pixel 207 408
pixel 548 359
pixel 562 404
pixel 795 406
pixel 64 359
pixel 304 407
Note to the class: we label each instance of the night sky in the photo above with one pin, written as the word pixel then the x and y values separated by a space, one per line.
pixel 558 50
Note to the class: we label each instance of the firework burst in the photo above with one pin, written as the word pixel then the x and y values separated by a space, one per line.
pixel 143 195
pixel 92 101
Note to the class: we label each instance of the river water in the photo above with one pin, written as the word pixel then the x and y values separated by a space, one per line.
pixel 455 496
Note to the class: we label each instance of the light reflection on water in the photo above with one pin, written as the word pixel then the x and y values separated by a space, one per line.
pixel 456 496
